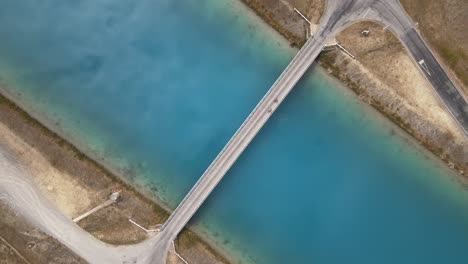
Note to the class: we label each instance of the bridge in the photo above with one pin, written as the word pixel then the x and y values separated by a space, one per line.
pixel 339 14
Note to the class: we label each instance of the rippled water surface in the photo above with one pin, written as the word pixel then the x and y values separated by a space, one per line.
pixel 155 88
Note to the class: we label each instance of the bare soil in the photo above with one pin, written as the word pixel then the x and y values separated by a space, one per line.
pixel 387 76
pixel 77 184
pixel 382 75
pixel 280 15
pixel 23 244
pixel 9 254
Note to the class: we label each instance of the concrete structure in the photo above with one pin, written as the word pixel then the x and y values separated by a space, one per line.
pixel 112 199
pixel 339 13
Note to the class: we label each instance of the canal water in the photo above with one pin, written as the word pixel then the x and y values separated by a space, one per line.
pixel 155 88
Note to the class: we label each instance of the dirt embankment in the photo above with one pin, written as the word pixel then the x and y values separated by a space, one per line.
pixel 383 75
pixel 281 16
pixel 444 25
pixel 77 184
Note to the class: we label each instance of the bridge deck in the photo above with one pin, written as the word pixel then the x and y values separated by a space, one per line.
pixel 339 14
pixel 244 135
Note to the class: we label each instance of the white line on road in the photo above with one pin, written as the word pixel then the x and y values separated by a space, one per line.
pixel 365 14
pixel 424 66
pixel 14 249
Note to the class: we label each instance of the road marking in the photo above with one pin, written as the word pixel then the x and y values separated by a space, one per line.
pixel 424 66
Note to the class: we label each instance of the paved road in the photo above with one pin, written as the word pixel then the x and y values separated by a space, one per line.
pixel 338 15
pixel 17 190
pixel 392 13
pixel 249 129
pixel 236 146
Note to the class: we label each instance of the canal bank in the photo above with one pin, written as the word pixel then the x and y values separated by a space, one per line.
pixel 77 183
pixel 381 74
pixel 240 218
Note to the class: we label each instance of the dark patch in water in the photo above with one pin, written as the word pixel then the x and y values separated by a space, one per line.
pixel 91 63
pixel 110 22
pixel 153 188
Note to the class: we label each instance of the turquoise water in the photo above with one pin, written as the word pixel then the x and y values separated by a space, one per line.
pixel 154 89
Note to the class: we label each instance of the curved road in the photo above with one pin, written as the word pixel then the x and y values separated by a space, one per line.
pixel 17 189
pixel 338 15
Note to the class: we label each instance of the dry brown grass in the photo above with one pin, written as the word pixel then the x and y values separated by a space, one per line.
pixel 444 24
pixel 281 16
pixel 383 56
pixel 63 174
